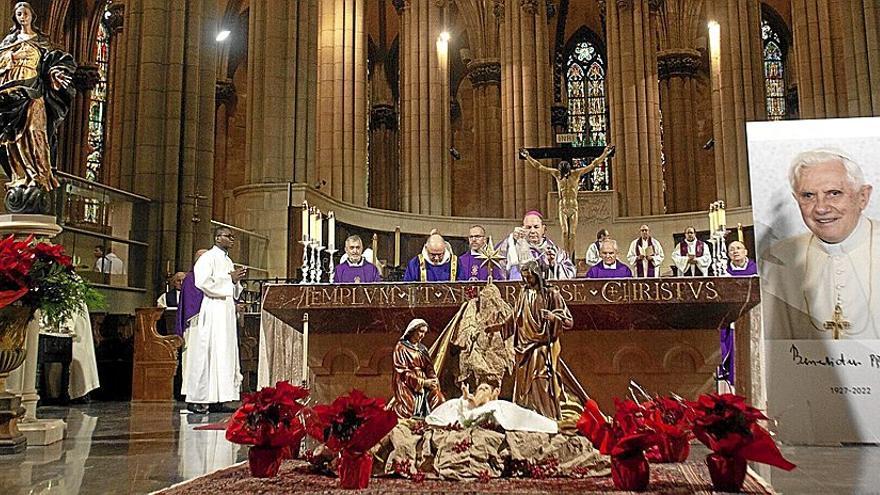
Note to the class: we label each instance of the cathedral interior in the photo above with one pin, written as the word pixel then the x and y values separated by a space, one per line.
pixel 404 116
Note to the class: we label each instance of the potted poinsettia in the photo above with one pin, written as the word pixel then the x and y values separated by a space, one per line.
pixel 729 427
pixel 351 426
pixel 624 437
pixel 671 418
pixel 36 275
pixel 271 422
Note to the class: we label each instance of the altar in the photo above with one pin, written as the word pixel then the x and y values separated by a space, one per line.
pixel 662 333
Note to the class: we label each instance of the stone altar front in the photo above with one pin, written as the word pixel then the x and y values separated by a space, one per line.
pixel 662 333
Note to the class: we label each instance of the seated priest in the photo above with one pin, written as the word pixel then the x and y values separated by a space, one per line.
pixel 472 267
pixel 740 265
pixel 592 257
pixel 610 266
pixel 413 379
pixel 435 263
pixel 355 269
pixel 691 256
pixel 530 242
pixel 169 298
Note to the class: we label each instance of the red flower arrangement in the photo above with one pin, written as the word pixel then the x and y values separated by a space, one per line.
pixel 624 438
pixel 40 276
pixel 670 418
pixel 271 421
pixel 729 427
pixel 352 425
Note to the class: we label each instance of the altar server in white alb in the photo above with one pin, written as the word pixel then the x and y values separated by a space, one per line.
pixel 691 256
pixel 825 283
pixel 213 368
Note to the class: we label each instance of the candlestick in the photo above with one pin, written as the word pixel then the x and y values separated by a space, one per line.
pixel 305 353
pixel 305 221
pixel 320 235
pixel 376 250
pixel 712 219
pixel 739 232
pixel 331 231
pixel 722 215
pixel 313 224
pixel 397 246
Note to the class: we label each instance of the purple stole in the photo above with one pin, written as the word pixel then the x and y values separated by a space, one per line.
pixel 727 370
pixel 599 271
pixel 189 302
pixel 639 267
pixel 698 251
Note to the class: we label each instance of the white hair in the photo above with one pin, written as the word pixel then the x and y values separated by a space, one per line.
pixel 807 159
pixel 609 241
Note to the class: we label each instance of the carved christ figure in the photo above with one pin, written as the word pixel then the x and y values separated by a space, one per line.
pixel 567 182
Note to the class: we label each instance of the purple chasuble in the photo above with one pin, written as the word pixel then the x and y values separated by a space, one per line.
pixel 363 273
pixel 470 269
pixel 189 303
pixel 601 271
pixel 750 269
pixel 433 273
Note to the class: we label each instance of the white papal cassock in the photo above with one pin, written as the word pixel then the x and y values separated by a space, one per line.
pixel 804 278
pixel 212 357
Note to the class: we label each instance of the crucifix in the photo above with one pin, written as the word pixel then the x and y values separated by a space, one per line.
pixel 567 180
pixel 196 197
pixel 837 324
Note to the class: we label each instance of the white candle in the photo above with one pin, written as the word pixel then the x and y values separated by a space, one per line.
pixel 722 216
pixel 331 231
pixel 305 221
pixel 375 250
pixel 397 246
pixel 313 224
pixel 320 235
pixel 711 219
pixel 305 353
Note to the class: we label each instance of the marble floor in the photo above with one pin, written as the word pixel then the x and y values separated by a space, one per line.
pixel 120 448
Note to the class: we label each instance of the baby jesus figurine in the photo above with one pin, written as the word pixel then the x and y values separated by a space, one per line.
pixel 484 402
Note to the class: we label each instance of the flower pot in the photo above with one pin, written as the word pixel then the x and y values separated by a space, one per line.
pixel 13 330
pixel 630 472
pixel 675 449
pixel 355 470
pixel 727 473
pixel 265 461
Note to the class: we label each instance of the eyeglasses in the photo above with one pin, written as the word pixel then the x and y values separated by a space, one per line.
pixel 228 236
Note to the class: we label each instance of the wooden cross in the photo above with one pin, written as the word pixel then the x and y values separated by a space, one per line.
pixel 566 152
pixel 837 324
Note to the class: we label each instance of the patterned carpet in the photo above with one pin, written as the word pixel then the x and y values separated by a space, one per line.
pixel 686 478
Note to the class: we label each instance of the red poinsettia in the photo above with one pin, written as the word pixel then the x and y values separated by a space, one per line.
pixel 353 423
pixel 729 427
pixel 626 433
pixel 271 417
pixel 671 419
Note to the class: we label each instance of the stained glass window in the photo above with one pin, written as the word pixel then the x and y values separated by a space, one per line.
pixel 774 80
pixel 98 102
pixel 587 108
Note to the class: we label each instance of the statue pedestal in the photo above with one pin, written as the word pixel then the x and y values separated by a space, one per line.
pixel 26 224
pixel 22 381
pixel 11 440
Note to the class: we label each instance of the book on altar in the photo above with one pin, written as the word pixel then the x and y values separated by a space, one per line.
pixel 649 251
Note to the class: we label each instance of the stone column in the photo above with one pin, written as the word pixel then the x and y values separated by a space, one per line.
pixel 424 107
pixel 342 99
pixel 167 132
pixel 689 178
pixel 526 86
pixel 838 57
pixel 635 106
pixel 385 175
pixel 737 71
pixel 281 95
pixel 485 77
pixel 115 100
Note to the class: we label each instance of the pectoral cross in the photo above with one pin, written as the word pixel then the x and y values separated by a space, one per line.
pixel 837 324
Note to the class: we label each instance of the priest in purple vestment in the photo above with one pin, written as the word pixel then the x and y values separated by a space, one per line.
pixel 530 242
pixel 472 267
pixel 435 263
pixel 740 265
pixel 188 307
pixel 610 266
pixel 356 269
